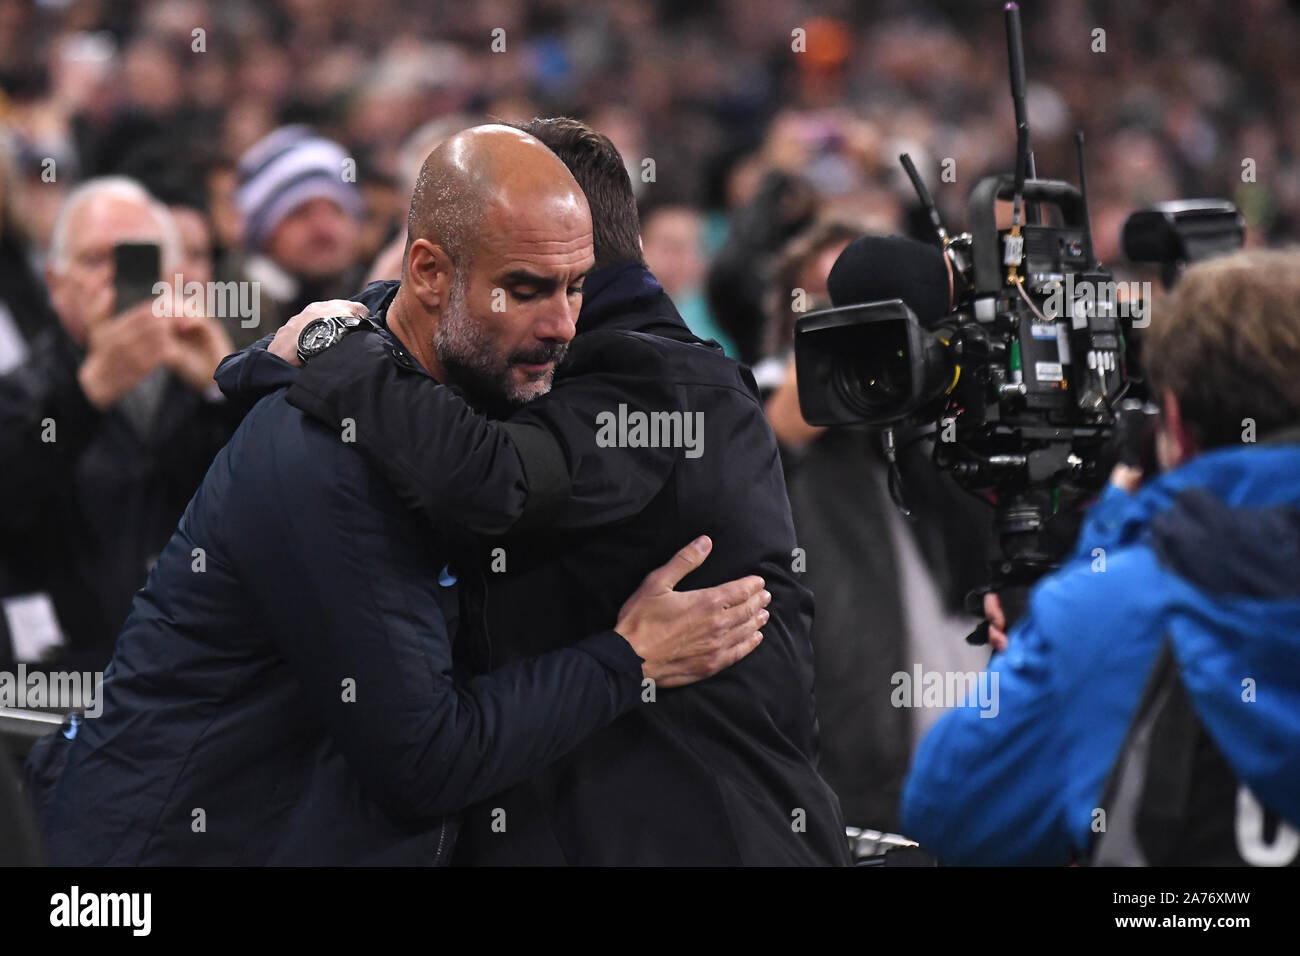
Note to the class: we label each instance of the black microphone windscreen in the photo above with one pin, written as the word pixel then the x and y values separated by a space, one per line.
pixel 874 268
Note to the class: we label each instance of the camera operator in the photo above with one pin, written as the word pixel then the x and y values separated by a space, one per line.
pixel 1199 561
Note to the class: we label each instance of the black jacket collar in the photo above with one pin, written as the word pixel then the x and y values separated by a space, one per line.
pixel 627 296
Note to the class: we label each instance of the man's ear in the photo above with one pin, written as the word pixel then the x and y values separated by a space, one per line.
pixel 1181 445
pixel 430 273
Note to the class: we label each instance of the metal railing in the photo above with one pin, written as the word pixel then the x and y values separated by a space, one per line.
pixel 20 728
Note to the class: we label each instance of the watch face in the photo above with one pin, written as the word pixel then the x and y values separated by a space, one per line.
pixel 317 336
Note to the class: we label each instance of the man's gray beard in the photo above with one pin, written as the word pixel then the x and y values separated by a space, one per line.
pixel 468 357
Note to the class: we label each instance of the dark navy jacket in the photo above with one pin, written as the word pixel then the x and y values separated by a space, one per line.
pixel 283 690
pixel 720 772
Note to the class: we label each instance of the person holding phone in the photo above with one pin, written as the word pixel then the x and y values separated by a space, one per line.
pixel 106 429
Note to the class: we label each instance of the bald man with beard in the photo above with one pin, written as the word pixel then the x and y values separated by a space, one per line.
pixel 284 690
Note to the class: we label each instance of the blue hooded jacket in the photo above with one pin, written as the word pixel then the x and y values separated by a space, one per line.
pixel 1204 557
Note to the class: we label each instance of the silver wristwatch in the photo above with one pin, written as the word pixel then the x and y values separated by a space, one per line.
pixel 319 334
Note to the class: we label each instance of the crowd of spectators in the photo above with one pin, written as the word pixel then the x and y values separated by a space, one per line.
pixel 1174 97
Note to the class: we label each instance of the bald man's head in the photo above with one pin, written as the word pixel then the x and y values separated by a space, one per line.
pixel 475 169
pixel 499 240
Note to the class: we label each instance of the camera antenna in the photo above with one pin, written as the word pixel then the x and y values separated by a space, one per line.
pixel 954 249
pixel 927 201
pixel 1016 60
pixel 1083 192
pixel 1014 252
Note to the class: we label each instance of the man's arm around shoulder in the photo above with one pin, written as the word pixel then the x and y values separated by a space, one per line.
pixel 346 583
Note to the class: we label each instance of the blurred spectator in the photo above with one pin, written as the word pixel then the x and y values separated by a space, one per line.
pixel 385 203
pixel 910 575
pixel 24 307
pixel 220 186
pixel 672 243
pixel 196 259
pixel 106 429
pixel 783 206
pixel 301 214
pixel 177 181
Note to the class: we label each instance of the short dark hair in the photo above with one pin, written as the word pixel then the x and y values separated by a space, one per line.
pixel 598 168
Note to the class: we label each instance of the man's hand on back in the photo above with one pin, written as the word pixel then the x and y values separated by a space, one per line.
pixel 686 636
pixel 285 343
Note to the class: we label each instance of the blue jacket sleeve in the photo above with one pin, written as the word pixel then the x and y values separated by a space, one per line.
pixel 347 585
pixel 982 788
pixel 1024 784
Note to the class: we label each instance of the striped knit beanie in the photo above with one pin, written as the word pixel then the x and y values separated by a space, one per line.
pixel 285 169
